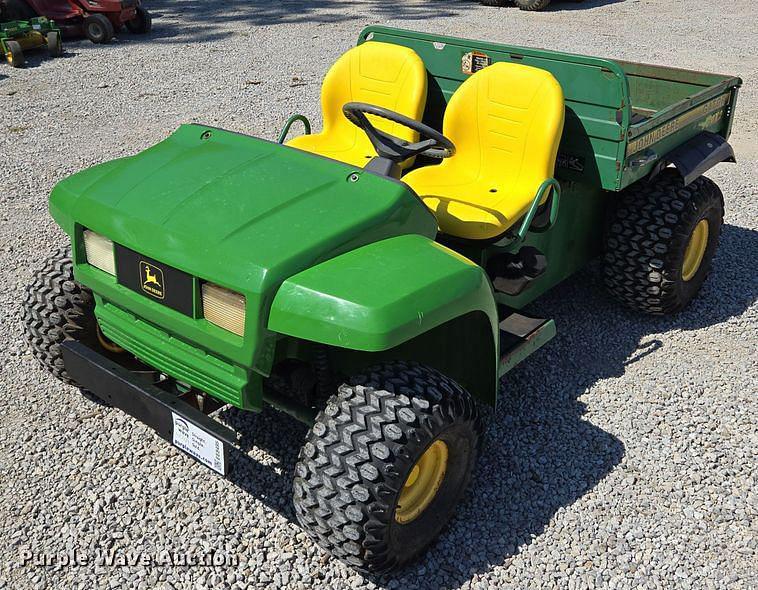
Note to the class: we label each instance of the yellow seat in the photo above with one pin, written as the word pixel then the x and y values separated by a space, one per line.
pixel 382 74
pixel 506 122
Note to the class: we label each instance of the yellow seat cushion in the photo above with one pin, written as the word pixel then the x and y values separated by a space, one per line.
pixel 506 122
pixel 382 74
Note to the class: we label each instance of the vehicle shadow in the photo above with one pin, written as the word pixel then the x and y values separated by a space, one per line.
pixel 541 453
pixel 197 21
pixel 557 6
pixel 279 437
pixel 36 58
pixel 210 22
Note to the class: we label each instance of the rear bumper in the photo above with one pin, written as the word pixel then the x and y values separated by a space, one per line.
pixel 154 407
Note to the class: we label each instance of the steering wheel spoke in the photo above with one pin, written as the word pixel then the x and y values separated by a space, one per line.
pixel 393 148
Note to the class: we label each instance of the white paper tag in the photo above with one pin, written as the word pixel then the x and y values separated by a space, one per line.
pixel 205 447
pixel 36 27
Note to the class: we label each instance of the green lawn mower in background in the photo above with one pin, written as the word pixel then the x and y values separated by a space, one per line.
pixel 373 279
pixel 19 36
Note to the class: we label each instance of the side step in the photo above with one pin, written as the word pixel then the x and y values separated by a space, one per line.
pixel 520 336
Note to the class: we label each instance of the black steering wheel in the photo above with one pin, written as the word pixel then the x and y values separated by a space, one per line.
pixel 432 142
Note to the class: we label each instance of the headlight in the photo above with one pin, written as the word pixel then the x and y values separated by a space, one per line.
pixel 99 250
pixel 224 308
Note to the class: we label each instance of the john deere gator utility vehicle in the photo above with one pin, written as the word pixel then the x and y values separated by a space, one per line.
pixel 369 279
pixel 19 35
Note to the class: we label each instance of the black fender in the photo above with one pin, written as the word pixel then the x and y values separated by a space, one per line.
pixel 696 156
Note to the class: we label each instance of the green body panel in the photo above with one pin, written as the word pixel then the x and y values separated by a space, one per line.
pixel 604 100
pixel 575 239
pixel 237 211
pixel 381 295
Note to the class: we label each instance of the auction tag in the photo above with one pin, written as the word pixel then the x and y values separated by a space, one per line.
pixel 205 447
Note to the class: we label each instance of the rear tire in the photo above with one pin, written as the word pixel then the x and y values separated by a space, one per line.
pixel 54 45
pixel 98 29
pixel 660 240
pixel 362 453
pixel 14 54
pixel 142 23
pixel 532 4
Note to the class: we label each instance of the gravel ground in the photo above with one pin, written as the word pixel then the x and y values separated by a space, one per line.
pixel 623 453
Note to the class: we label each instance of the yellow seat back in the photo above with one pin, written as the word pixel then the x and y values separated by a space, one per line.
pixel 382 74
pixel 506 122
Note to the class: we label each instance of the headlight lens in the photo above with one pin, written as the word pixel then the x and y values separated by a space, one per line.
pixel 99 250
pixel 224 308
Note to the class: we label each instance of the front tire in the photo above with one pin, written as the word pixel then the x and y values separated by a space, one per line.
pixel 660 241
pixel 56 308
pixel 385 465
pixel 98 29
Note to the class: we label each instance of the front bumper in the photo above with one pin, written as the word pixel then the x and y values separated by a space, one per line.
pixel 178 359
pixel 191 350
pixel 154 407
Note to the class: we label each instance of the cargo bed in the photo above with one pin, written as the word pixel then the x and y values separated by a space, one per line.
pixel 669 107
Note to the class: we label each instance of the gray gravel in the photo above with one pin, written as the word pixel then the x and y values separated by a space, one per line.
pixel 623 454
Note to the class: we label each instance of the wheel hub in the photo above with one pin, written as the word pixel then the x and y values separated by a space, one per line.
pixel 693 254
pixel 422 483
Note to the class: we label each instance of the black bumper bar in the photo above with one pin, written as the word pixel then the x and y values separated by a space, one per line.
pixel 147 403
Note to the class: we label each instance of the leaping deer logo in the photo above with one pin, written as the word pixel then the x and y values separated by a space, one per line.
pixel 152 280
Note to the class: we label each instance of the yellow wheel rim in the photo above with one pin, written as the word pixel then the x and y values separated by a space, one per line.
pixel 693 255
pixel 422 483
pixel 108 344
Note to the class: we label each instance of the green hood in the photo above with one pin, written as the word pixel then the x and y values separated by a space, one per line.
pixel 230 207
pixel 237 211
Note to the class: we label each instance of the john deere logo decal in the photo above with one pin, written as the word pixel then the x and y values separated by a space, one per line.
pixel 152 280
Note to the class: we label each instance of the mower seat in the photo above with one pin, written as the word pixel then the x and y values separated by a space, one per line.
pixel 383 74
pixel 506 121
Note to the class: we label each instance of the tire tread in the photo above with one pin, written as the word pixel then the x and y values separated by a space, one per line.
pixel 346 479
